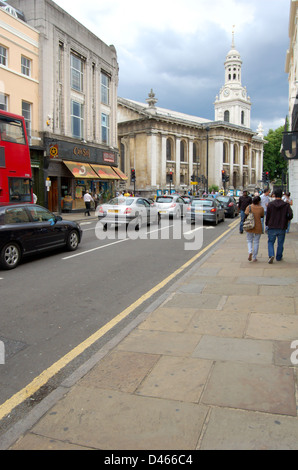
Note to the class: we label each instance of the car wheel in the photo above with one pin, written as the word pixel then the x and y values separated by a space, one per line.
pixel 10 256
pixel 72 241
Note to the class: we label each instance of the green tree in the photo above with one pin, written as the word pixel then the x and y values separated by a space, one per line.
pixel 273 160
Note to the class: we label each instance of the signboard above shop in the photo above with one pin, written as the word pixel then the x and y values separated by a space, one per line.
pixel 69 151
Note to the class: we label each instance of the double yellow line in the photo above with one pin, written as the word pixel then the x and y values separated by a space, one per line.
pixel 47 374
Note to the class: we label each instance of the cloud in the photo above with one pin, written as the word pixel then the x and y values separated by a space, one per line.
pixel 179 50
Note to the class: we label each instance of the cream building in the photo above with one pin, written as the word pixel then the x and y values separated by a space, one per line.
pixel 164 145
pixel 19 68
pixel 292 71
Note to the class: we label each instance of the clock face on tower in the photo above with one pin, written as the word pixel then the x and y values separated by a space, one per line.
pixel 226 92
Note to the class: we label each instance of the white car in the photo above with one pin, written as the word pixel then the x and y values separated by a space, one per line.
pixel 171 205
pixel 127 211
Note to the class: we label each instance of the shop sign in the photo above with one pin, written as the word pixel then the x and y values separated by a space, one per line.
pixel 108 157
pixel 81 152
pixel 54 153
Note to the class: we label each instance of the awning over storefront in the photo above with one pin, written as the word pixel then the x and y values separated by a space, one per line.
pixel 81 170
pixel 121 174
pixel 105 172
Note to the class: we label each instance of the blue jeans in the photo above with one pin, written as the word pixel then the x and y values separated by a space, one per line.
pixel 273 234
pixel 242 215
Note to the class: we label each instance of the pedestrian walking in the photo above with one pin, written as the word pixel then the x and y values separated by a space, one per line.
pixel 253 236
pixel 287 198
pixel 87 199
pixel 265 199
pixel 279 213
pixel 244 201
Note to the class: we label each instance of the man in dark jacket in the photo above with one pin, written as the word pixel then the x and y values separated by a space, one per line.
pixel 244 201
pixel 279 213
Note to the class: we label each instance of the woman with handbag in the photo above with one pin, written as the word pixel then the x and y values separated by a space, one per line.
pixel 253 235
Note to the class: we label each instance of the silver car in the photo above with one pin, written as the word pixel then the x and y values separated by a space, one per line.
pixel 171 205
pixel 137 211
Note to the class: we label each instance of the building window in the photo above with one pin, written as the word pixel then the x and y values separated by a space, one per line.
pixel 105 89
pixel 77 119
pixel 3 102
pixel 76 73
pixel 26 66
pixel 242 117
pixel 169 149
pixel 182 151
pixel 227 116
pixel 26 113
pixel 196 158
pixel 105 128
pixel 3 56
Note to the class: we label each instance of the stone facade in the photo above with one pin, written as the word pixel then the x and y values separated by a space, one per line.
pixel 157 142
pixel 292 70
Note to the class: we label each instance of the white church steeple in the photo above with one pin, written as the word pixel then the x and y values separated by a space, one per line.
pixel 233 105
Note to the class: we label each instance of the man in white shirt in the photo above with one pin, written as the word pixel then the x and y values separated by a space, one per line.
pixel 265 199
pixel 87 200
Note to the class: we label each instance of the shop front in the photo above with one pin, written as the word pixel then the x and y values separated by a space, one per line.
pixel 73 169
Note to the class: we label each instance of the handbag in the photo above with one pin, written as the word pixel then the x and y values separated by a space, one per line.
pixel 249 222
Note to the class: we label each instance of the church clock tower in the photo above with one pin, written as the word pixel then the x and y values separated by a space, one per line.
pixel 233 104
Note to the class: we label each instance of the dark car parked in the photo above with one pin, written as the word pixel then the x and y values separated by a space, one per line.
pixel 206 209
pixel 28 228
pixel 230 205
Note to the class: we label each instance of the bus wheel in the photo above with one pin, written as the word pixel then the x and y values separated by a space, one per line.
pixel 10 256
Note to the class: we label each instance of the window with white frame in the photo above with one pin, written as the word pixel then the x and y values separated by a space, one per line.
pixel 3 56
pixel 26 113
pixel 26 66
pixel 105 88
pixel 76 73
pixel 3 102
pixel 105 128
pixel 77 119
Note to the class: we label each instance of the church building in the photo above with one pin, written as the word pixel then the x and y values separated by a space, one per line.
pixel 169 149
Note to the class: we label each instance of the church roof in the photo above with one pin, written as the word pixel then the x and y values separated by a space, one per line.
pixel 157 112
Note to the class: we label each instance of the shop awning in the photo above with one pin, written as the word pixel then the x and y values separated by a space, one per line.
pixel 81 170
pixel 105 172
pixel 121 174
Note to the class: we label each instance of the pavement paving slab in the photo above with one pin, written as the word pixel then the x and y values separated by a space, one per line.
pixel 230 429
pixel 109 419
pixel 254 387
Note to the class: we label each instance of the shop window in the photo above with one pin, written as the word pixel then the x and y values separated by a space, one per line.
pixel 105 128
pixel 77 120
pixel 105 89
pixel 76 72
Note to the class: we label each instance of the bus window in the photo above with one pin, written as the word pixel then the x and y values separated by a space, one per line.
pixel 19 190
pixel 12 131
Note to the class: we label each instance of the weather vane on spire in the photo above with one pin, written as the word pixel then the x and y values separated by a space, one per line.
pixel 233 37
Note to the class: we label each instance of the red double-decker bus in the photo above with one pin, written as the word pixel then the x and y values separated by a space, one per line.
pixel 15 164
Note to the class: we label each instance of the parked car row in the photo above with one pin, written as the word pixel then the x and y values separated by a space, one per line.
pixel 29 228
pixel 138 211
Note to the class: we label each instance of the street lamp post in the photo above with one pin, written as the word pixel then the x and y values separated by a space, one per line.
pixel 207 158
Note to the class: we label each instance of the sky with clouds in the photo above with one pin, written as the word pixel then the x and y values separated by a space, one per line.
pixel 178 49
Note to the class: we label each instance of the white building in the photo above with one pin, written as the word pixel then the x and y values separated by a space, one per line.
pixel 292 70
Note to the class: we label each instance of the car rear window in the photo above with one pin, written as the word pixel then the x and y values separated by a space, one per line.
pixel 164 199
pixel 223 198
pixel 202 202
pixel 121 201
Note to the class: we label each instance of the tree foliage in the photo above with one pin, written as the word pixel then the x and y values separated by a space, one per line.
pixel 273 160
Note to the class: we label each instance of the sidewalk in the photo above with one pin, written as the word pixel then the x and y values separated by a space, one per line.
pixel 209 368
